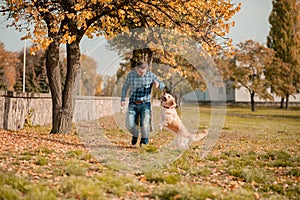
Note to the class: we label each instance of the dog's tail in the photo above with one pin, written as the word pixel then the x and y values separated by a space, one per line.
pixel 197 137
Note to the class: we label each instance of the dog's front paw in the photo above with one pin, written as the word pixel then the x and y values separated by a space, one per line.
pixel 161 126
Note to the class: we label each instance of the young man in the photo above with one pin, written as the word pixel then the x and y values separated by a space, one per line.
pixel 140 82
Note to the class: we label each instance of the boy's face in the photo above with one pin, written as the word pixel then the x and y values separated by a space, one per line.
pixel 141 71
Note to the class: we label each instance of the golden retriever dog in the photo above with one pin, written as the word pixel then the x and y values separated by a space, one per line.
pixel 172 122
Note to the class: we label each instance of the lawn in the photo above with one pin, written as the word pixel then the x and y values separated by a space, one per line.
pixel 256 156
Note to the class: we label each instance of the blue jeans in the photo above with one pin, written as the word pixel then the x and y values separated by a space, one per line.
pixel 139 113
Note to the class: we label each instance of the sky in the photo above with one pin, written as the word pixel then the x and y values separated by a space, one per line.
pixel 250 23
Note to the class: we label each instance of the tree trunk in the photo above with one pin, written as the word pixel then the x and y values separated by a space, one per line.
pixel 54 78
pixel 281 103
pixel 71 86
pixel 63 102
pixel 287 101
pixel 253 104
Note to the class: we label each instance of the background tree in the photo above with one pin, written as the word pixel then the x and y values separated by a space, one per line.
pixel 109 85
pixel 99 88
pixel 65 22
pixel 3 63
pixel 279 85
pixel 88 79
pixel 35 73
pixel 180 80
pixel 3 85
pixel 36 76
pixel 8 64
pixel 284 39
pixel 251 61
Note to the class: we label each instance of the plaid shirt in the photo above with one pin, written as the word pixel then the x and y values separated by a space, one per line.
pixel 140 86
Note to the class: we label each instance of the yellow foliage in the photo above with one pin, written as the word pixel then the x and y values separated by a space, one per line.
pixel 205 21
pixel 71 15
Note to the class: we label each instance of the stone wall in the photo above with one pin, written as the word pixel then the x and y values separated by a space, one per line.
pixel 36 109
pixel 91 108
pixel 16 108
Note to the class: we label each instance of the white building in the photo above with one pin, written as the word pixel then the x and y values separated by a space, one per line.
pixel 240 95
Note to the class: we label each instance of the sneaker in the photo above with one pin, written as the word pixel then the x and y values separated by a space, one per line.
pixel 144 141
pixel 134 140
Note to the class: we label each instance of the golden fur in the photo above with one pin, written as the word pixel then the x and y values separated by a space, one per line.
pixel 172 122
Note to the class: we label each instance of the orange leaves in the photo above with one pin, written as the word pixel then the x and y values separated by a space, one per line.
pixel 8 63
pixel 242 163
pixel 71 15
pixel 79 6
pixel 68 38
pixel 121 13
pixel 86 15
pixel 233 23
pixel 207 22
pixel 91 31
pixel 35 155
pixel 45 42
pixel 251 63
pixel 43 10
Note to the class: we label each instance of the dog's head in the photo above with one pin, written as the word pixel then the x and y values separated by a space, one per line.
pixel 167 101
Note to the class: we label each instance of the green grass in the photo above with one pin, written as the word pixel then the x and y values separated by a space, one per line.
pixel 85 188
pixel 41 161
pixel 78 154
pixel 73 167
pixel 15 187
pixel 255 157
pixel 185 191
pixel 159 177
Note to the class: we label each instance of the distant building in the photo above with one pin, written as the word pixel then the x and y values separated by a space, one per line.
pixel 233 95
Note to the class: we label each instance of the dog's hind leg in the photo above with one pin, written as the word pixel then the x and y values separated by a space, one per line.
pixel 182 142
pixel 197 137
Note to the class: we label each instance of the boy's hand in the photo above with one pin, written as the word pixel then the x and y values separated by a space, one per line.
pixel 156 84
pixel 122 103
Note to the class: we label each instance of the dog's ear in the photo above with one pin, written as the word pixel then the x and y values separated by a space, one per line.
pixel 166 90
pixel 173 104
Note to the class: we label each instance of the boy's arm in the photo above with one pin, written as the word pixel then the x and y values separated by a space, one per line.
pixel 124 89
pixel 158 83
